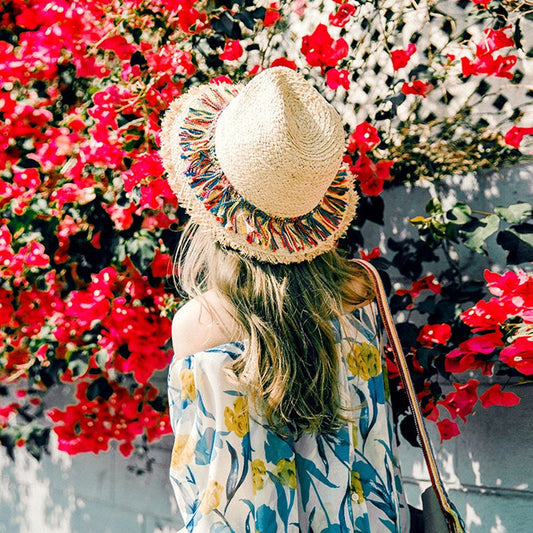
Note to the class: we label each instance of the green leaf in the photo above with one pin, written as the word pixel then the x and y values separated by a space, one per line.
pixel 434 207
pixel 141 249
pixel 459 214
pixel 515 213
pixel 476 238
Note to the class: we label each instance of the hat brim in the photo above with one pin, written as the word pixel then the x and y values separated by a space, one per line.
pixel 194 174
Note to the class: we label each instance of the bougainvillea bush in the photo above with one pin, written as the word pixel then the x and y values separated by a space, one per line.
pixel 88 224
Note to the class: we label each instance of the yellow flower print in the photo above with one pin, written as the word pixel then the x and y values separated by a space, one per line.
pixel 364 361
pixel 286 472
pixel 211 496
pixel 355 435
pixel 356 488
pixel 236 419
pixel 258 474
pixel 182 451
pixel 386 383
pixel 188 389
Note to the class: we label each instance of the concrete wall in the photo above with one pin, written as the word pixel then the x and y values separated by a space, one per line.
pixel 86 494
pixel 488 468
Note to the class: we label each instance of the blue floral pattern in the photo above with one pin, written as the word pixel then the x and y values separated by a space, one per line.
pixel 231 473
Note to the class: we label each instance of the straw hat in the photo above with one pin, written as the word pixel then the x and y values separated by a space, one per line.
pixel 260 165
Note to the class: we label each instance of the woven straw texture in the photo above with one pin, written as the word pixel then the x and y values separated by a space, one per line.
pixel 259 165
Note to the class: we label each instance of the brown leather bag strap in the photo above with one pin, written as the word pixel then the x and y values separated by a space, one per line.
pixel 453 520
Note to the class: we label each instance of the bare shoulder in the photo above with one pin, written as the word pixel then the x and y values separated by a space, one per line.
pixel 202 323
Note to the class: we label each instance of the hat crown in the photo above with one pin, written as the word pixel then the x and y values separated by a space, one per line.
pixel 279 143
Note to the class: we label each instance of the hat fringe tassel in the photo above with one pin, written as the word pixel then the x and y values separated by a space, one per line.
pixel 241 221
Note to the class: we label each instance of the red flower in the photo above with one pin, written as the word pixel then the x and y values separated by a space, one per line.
pixel 495 396
pixel 161 264
pixel 516 134
pixel 482 344
pixel 431 334
pixel 321 50
pixel 417 87
pixel 364 138
pixel 232 51
pixel 400 57
pixel 461 402
pixel 7 312
pixel 343 14
pixel 336 78
pixel 221 79
pixel 467 355
pixel 483 3
pixel 371 176
pixel 428 282
pixel 284 62
pixel 272 14
pixel 519 355
pixel 375 252
pixel 34 255
pixel 447 429
pixel 501 284
pixel 190 20
pixel 488 65
pixel 119 45
pixel 122 216
pixel 146 166
pixel 487 316
pixel 494 40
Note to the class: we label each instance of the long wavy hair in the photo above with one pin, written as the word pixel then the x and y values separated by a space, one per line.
pixel 290 370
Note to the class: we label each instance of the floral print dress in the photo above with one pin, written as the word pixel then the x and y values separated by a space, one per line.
pixel 231 473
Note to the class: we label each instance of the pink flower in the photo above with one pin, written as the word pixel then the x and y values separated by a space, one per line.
pixel 34 255
pixel 146 166
pixel 232 51
pixel 519 355
pixel 122 216
pixel 400 57
pixel 501 284
pixel 343 14
pixel 495 396
pixel 335 78
pixel 499 66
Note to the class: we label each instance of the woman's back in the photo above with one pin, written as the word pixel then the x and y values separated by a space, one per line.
pixel 232 472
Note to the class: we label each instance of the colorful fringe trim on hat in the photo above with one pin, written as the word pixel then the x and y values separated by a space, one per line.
pixel 211 187
pixel 211 200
